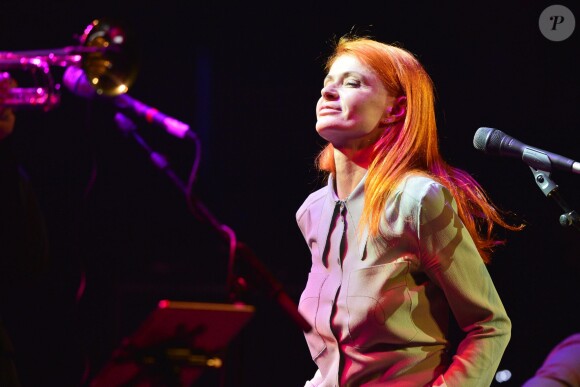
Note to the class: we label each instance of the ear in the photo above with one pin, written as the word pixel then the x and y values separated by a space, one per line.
pixel 397 111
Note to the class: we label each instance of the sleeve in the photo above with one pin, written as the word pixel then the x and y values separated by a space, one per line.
pixel 561 367
pixel 453 262
pixel 315 381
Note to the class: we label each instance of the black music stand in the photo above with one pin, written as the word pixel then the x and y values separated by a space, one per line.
pixel 175 344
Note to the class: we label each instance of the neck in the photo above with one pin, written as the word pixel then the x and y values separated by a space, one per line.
pixel 351 166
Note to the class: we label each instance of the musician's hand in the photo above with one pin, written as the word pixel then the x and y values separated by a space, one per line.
pixel 7 117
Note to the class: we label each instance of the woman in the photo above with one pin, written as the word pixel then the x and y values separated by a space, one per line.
pixel 399 238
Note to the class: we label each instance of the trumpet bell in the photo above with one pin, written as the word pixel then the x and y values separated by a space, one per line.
pixel 113 67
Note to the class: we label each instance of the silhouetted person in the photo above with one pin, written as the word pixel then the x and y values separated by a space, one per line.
pixel 23 239
pixel 561 367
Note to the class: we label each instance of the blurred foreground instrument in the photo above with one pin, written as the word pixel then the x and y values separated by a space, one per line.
pixel 107 54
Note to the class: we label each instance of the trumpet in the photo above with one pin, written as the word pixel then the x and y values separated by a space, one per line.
pixel 106 53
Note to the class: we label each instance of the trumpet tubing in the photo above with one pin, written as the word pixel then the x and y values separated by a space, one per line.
pixel 44 94
pixel 28 97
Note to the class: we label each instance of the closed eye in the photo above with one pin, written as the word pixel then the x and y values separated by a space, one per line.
pixel 350 82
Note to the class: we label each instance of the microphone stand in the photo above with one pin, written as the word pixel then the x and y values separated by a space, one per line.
pixel 570 217
pixel 260 275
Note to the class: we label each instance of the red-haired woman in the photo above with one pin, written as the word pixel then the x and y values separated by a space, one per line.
pixel 399 239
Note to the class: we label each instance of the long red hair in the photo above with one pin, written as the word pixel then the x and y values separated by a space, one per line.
pixel 411 145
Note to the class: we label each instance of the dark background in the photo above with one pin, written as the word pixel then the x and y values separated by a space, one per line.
pixel 245 77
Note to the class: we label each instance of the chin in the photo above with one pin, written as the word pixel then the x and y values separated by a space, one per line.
pixel 324 125
pixel 326 133
pixel 336 140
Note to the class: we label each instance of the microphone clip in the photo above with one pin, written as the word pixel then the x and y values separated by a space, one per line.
pixel 543 180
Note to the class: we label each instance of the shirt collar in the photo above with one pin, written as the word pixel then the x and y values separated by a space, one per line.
pixel 354 206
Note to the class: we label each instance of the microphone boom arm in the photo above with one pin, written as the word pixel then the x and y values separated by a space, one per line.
pixel 262 278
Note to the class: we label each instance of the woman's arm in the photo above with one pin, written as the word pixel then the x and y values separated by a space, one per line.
pixel 452 261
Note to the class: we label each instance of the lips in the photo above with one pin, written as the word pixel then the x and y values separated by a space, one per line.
pixel 328 109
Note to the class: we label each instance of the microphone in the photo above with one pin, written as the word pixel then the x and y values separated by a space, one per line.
pixel 496 142
pixel 76 81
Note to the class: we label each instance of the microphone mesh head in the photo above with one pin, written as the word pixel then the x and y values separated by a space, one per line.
pixel 76 81
pixel 481 138
pixel 495 141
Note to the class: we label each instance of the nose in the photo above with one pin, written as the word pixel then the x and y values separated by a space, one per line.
pixel 329 92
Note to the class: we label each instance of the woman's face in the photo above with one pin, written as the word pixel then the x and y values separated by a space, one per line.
pixel 353 105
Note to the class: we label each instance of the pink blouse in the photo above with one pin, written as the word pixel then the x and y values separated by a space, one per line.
pixel 380 307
